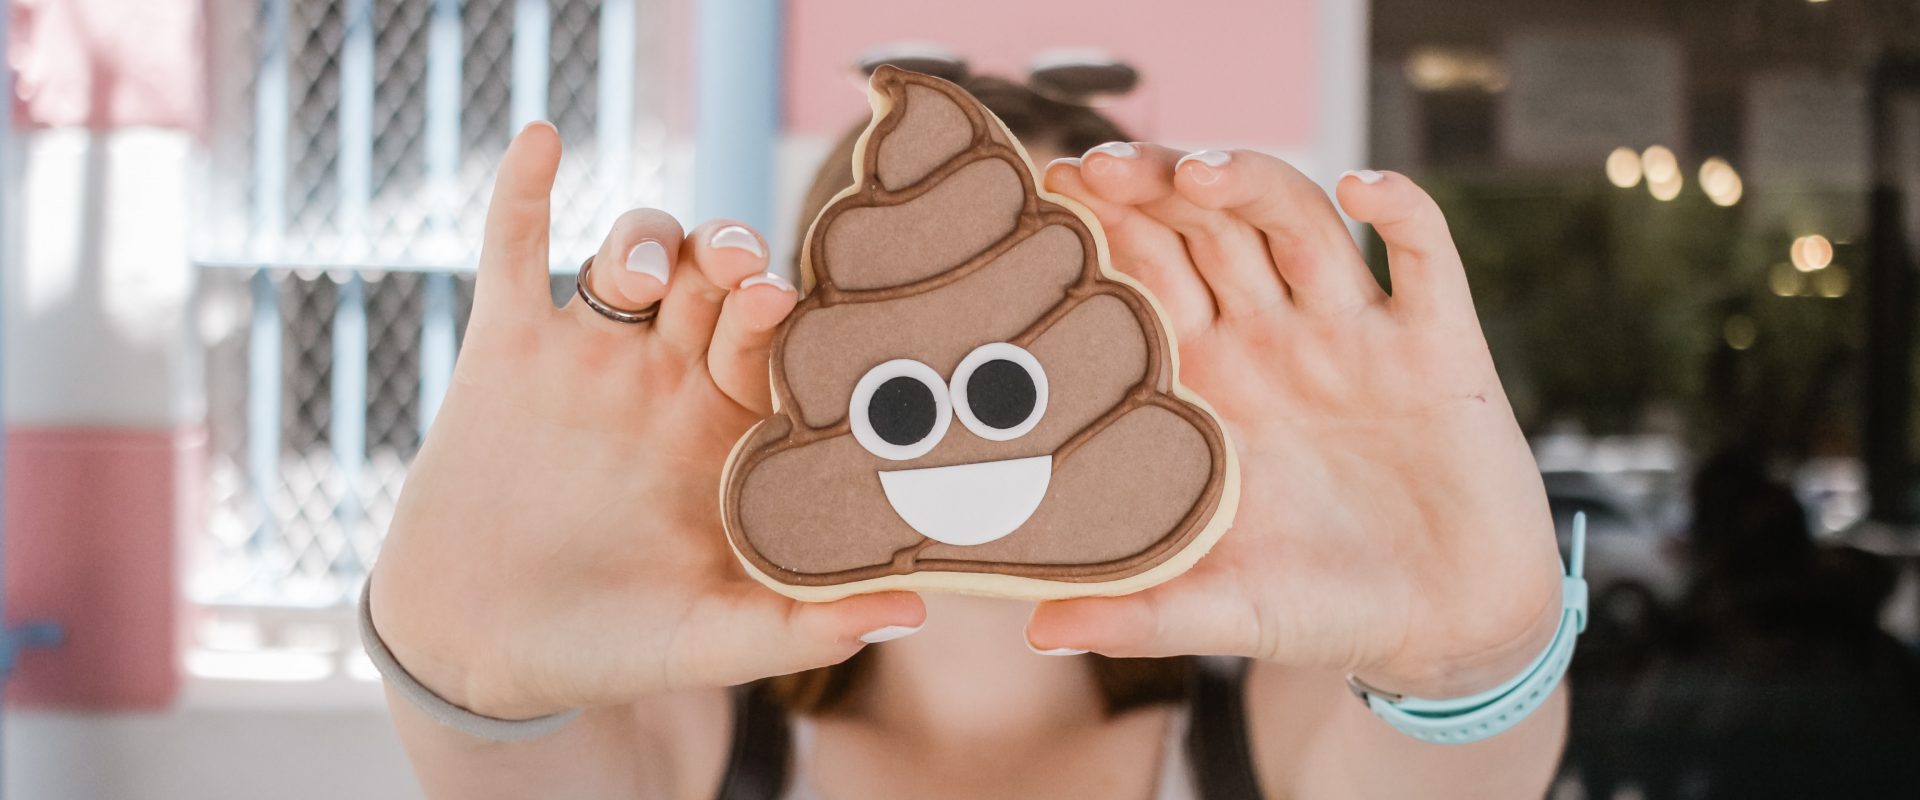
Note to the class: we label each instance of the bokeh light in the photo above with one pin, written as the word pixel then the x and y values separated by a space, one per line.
pixel 1811 253
pixel 1832 282
pixel 1433 69
pixel 1660 165
pixel 1623 167
pixel 1665 189
pixel 1721 182
pixel 1785 280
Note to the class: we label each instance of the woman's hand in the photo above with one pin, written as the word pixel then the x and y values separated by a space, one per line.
pixel 1392 520
pixel 558 543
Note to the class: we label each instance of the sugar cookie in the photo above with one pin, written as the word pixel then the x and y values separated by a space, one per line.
pixel 968 399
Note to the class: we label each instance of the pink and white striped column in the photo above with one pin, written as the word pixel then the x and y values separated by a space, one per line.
pixel 103 404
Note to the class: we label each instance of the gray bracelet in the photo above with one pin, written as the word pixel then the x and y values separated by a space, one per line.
pixel 437 707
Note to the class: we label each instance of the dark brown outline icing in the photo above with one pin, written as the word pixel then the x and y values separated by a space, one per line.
pixel 1036 213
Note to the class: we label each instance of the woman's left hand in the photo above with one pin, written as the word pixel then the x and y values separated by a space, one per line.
pixel 1392 521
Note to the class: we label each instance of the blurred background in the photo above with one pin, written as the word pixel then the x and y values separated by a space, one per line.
pixel 238 245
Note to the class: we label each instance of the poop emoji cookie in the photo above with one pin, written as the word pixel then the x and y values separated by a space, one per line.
pixel 967 399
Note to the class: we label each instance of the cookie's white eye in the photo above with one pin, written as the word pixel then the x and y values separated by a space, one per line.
pixel 899 410
pixel 1000 391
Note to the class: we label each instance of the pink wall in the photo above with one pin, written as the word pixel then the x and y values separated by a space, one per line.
pixel 91 516
pixel 106 63
pixel 1215 71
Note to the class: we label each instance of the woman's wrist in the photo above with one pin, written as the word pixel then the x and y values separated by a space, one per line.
pixel 451 679
pixel 1476 672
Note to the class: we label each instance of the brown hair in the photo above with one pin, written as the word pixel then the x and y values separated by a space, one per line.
pixel 1038 121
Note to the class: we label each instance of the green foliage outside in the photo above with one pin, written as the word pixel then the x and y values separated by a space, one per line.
pixel 1609 308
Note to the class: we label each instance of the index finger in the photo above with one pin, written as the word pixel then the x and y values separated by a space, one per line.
pixel 513 251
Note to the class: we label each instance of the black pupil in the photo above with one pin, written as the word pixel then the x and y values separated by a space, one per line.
pixel 902 411
pixel 1001 393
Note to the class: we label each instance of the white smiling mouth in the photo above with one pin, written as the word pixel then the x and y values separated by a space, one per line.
pixel 968 504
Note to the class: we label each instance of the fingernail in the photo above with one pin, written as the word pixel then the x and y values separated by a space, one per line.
pixel 888 634
pixel 1366 176
pixel 1116 149
pixel 1207 165
pixel 648 258
pixel 736 237
pixel 1071 162
pixel 767 279
pixel 1058 651
pixel 542 123
pixel 1211 158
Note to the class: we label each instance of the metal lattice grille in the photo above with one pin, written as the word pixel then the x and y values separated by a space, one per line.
pixel 396 218
pixel 343 193
pixel 306 93
pixel 574 94
pixel 394 316
pixel 314 150
pixel 486 120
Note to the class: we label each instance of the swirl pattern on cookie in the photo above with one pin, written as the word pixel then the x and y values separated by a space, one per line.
pixel 967 399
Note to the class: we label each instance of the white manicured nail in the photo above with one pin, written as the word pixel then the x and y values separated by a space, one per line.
pixel 1366 176
pixel 648 258
pixel 735 237
pixel 1210 162
pixel 1116 149
pixel 888 634
pixel 542 122
pixel 1211 158
pixel 1058 651
pixel 1071 162
pixel 767 279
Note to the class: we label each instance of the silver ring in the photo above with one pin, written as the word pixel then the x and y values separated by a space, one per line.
pixel 600 306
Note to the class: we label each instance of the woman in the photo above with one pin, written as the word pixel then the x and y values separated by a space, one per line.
pixel 558 544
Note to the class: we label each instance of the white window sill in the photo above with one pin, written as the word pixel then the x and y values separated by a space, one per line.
pixel 279 681
pixel 277 659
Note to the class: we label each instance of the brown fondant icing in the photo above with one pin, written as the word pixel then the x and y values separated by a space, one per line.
pixel 931 132
pixel 943 245
pixel 828 349
pixel 875 247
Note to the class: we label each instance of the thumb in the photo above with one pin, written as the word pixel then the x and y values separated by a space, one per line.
pixel 746 633
pixel 1182 617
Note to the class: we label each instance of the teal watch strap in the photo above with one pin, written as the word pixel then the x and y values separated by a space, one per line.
pixel 1470 719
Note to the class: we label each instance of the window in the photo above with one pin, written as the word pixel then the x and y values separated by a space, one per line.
pixel 348 162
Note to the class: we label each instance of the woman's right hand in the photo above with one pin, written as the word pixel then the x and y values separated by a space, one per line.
pixel 558 542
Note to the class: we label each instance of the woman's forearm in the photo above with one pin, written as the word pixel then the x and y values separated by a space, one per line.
pixel 1367 758
pixel 577 761
pixel 1314 740
pixel 613 752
